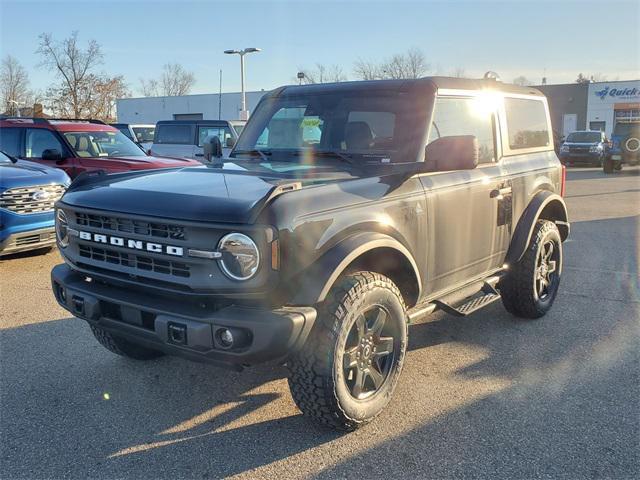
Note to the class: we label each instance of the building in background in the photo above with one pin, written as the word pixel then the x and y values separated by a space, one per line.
pixel 613 102
pixel 592 106
pixel 185 107
pixel 567 106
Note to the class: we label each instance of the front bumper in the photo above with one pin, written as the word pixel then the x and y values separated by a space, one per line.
pixel 28 240
pixel 591 157
pixel 176 327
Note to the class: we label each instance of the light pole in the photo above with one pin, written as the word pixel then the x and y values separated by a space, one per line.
pixel 244 114
pixel 17 107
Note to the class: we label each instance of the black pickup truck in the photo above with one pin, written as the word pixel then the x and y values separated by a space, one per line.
pixel 344 213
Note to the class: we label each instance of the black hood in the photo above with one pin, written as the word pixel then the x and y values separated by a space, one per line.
pixel 196 194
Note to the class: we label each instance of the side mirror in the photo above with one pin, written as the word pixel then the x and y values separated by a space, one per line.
pixel 459 152
pixel 52 154
pixel 212 148
pixel 230 142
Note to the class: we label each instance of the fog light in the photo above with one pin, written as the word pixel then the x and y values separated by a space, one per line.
pixel 226 338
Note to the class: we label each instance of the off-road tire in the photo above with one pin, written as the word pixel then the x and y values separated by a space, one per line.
pixel 122 347
pixel 317 380
pixel 607 166
pixel 518 287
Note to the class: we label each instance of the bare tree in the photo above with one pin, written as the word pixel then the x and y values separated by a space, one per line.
pixel 14 86
pixel 81 91
pixel 74 67
pixel 174 81
pixel 522 81
pixel 323 74
pixel 582 79
pixel 411 64
pixel 459 72
pixel 366 70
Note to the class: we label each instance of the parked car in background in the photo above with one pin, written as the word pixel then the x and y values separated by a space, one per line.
pixel 585 147
pixel 185 138
pixel 141 134
pixel 28 192
pixel 77 146
pixel 625 148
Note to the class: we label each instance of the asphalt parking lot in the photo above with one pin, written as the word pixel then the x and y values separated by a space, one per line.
pixel 487 396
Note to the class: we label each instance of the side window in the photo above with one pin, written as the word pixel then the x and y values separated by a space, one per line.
pixel 181 134
pixel 10 141
pixel 465 116
pixel 526 123
pixel 38 140
pixel 221 132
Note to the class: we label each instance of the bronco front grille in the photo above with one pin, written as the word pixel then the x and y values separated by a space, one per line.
pixel 139 262
pixel 36 199
pixel 127 225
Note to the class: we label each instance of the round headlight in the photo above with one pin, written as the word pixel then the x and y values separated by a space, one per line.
pixel 62 228
pixel 240 256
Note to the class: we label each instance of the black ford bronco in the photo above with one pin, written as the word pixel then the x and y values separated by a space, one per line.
pixel 344 213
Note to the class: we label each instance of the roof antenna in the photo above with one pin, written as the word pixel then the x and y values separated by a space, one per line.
pixel 491 75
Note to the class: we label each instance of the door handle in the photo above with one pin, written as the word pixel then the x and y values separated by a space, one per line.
pixel 499 193
pixel 199 154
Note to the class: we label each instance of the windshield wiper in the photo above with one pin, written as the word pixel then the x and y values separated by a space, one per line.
pixel 263 153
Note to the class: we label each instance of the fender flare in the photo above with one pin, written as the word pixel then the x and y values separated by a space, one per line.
pixel 320 277
pixel 544 204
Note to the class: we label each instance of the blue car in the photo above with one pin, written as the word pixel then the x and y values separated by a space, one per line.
pixel 28 192
pixel 626 146
pixel 585 147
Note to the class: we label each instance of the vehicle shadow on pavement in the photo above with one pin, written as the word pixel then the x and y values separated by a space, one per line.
pixel 561 400
pixel 597 173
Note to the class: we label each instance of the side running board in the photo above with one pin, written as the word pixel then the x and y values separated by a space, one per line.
pixel 462 302
pixel 487 294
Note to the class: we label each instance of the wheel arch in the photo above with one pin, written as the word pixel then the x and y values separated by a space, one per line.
pixel 375 252
pixel 544 205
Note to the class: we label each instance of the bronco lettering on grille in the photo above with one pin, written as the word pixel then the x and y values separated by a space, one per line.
pixel 133 244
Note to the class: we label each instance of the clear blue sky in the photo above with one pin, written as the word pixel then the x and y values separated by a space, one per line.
pixel 561 38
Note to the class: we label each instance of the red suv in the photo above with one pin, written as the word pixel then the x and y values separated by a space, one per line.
pixel 78 146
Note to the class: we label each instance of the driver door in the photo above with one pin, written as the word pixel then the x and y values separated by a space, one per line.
pixel 468 210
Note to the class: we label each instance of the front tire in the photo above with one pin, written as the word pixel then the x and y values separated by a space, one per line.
pixel 348 369
pixel 531 285
pixel 122 347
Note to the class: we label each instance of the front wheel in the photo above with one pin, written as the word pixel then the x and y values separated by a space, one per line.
pixel 348 369
pixel 531 285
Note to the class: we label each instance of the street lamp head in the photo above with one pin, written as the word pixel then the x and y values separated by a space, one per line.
pixel 231 52
pixel 251 50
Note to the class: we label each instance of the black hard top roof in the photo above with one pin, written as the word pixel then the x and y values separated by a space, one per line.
pixel 400 85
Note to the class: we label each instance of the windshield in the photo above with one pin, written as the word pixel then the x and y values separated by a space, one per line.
pixel 144 134
pixel 625 129
pixel 584 137
pixel 102 144
pixel 4 158
pixel 339 127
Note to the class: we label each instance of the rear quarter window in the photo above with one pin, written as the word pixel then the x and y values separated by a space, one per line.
pixel 10 141
pixel 180 134
pixel 526 123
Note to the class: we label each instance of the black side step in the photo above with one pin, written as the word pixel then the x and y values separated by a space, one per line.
pixel 466 306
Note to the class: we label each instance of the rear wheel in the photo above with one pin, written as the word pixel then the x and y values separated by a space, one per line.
pixel 531 285
pixel 347 371
pixel 123 347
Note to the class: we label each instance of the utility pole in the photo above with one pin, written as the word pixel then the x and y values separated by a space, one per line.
pixel 220 98
pixel 244 114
